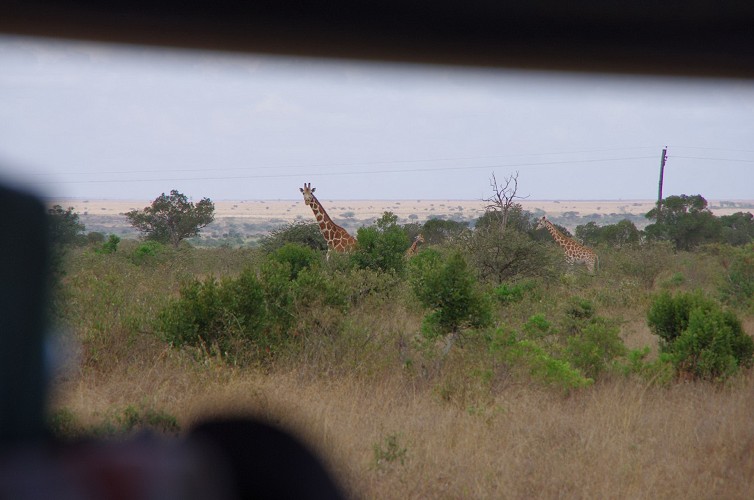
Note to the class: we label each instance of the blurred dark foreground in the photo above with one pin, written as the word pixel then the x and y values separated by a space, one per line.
pixel 225 458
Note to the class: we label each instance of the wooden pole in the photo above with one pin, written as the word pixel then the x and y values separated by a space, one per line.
pixel 662 174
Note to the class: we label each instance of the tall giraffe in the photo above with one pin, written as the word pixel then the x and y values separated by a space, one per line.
pixel 575 252
pixel 336 237
pixel 414 248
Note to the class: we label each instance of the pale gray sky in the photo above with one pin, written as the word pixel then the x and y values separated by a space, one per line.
pixel 105 121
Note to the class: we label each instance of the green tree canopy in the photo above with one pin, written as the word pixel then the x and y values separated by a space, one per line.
pixel 439 230
pixel 738 228
pixel 684 220
pixel 518 219
pixel 619 234
pixel 173 218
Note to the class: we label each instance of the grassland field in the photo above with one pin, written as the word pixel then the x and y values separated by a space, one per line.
pixel 388 420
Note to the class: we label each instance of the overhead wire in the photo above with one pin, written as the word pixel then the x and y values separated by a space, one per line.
pixel 349 172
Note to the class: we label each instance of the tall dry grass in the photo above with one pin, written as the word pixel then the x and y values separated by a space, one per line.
pixel 618 439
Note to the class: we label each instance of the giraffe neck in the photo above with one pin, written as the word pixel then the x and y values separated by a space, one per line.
pixel 320 214
pixel 336 237
pixel 559 237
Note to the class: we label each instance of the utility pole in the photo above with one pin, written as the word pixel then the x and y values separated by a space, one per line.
pixel 662 174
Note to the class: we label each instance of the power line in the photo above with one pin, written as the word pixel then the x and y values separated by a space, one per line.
pixel 355 164
pixel 713 159
pixel 361 172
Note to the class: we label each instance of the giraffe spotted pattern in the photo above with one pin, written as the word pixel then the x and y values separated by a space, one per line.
pixel 575 252
pixel 414 248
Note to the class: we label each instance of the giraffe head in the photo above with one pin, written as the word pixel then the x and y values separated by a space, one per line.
pixel 308 192
pixel 419 238
pixel 542 223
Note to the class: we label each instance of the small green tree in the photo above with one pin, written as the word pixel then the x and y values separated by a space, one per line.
pixel 448 288
pixel 702 339
pixel 170 219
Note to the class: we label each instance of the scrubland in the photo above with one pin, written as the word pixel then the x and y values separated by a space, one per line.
pixel 390 416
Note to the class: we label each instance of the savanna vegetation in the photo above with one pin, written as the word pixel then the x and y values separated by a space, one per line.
pixel 482 367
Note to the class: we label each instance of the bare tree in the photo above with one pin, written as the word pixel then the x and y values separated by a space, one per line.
pixel 504 197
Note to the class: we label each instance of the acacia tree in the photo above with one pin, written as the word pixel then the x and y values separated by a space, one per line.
pixel 173 218
pixel 685 220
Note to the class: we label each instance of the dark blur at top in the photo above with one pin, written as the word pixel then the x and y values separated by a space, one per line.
pixel 704 38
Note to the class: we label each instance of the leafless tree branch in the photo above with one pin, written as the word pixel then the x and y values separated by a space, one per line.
pixel 504 197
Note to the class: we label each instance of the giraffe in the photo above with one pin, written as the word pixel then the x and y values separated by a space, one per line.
pixel 575 252
pixel 336 237
pixel 414 248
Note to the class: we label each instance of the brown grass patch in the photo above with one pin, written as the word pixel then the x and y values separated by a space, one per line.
pixel 619 439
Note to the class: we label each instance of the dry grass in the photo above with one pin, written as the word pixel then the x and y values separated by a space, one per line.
pixel 619 439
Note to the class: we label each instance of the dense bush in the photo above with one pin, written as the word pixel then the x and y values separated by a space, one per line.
pixel 738 228
pixel 702 339
pixel 382 246
pixel 438 231
pixel 620 234
pixel 448 288
pixel 216 313
pixel 302 233
pixel 581 338
pixel 109 246
pixel 505 256
pixel 526 357
pixel 297 256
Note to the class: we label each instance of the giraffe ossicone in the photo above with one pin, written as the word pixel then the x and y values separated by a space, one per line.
pixel 575 252
pixel 336 237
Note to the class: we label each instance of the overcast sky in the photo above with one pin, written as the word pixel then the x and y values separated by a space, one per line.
pixel 105 121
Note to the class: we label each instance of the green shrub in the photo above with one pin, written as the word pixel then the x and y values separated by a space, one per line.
pixel 508 294
pixel 448 288
pixel 526 357
pixel 302 233
pixel 109 246
pixel 594 347
pixel 582 339
pixel 389 452
pixel 218 314
pixel 382 246
pixel 503 256
pixel 297 256
pixel 146 251
pixel 701 338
